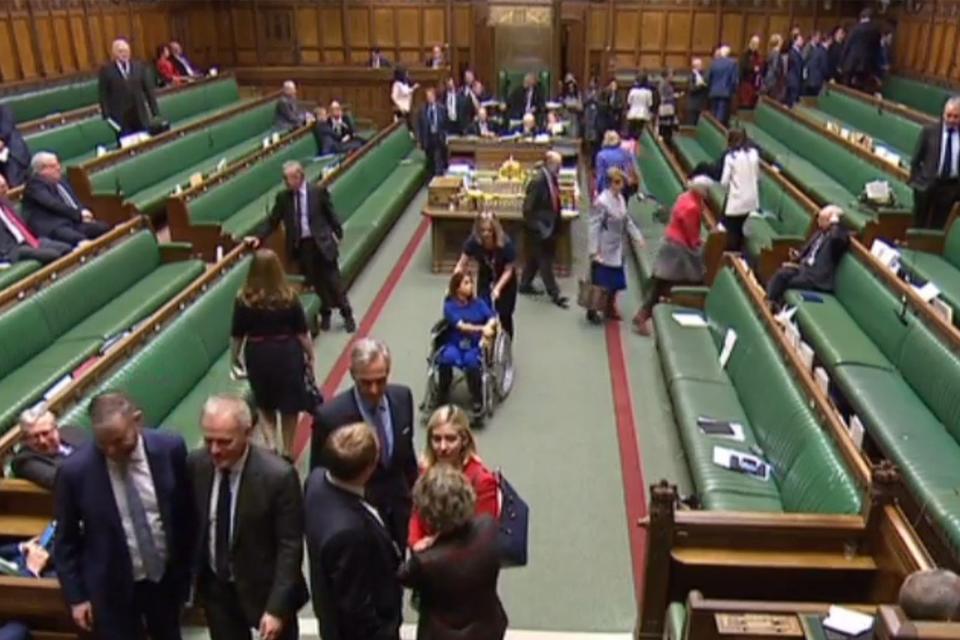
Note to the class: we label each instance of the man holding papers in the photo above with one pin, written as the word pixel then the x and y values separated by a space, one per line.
pixel 126 90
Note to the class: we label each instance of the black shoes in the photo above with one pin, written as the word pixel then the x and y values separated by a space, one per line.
pixel 530 290
pixel 325 322
pixel 349 324
pixel 560 301
pixel 593 317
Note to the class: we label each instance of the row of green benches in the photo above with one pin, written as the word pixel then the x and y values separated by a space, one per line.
pixel 57 98
pixel 934 256
pixel 916 94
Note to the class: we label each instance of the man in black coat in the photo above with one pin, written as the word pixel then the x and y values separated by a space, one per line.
pixel 861 53
pixel 53 209
pixel 541 222
pixel 835 52
pixel 378 60
pixel 343 129
pixel 127 91
pixel 817 66
pixel 353 560
pixel 388 408
pixel 934 169
pixel 432 127
pixel 483 126
pixel 44 446
pixel 313 237
pixel 14 166
pixel 290 114
pixel 249 509
pixel 527 98
pixel 814 266
pixel 17 242
pixel 327 142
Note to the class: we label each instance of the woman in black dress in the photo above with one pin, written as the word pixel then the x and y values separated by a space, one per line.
pixel 270 329
pixel 493 251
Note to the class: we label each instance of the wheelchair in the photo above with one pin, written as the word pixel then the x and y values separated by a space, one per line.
pixel 496 373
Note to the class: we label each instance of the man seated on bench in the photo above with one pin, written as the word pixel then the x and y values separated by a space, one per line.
pixel 326 141
pixel 290 113
pixel 814 266
pixel 17 242
pixel 343 129
pixel 53 209
pixel 44 445
pixel 932 595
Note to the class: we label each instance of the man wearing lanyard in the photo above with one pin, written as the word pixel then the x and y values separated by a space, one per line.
pixel 935 169
pixel 432 126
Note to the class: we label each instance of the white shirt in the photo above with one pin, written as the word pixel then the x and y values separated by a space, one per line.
pixel 639 101
pixel 402 96
pixel 741 176
pixel 236 473
pixel 301 195
pixel 12 228
pixel 139 469
pixel 452 105
pixel 357 491
pixel 123 68
pixel 186 65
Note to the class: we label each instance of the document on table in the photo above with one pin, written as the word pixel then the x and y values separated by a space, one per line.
pixel 689 319
pixel 847 621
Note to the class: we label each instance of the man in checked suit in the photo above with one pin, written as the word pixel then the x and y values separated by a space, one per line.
pixel 388 408
pixel 313 236
pixel 126 90
pixel 250 542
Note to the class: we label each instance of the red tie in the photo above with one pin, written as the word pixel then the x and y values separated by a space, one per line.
pixel 14 219
pixel 554 196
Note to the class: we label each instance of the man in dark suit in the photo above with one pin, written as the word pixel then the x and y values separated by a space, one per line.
pixel 327 142
pixel 482 126
pixel 527 98
pixel 814 266
pixel 817 66
pixel 353 560
pixel 180 62
pixel 313 237
pixel 44 446
pixel 696 91
pixel 14 155
pixel 934 170
pixel 388 408
pixel 861 53
pixel 124 526
pixel 795 71
pixel 436 59
pixel 17 242
pixel 432 130
pixel 528 127
pixel 835 45
pixel 378 60
pixel 469 101
pixel 344 131
pixel 127 91
pixel 290 113
pixel 249 508
pixel 52 208
pixel 723 80
pixel 455 103
pixel 541 222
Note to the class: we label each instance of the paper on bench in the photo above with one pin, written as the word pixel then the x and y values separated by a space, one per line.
pixel 58 386
pixel 689 319
pixel 729 341
pixel 856 431
pixel 745 463
pixel 847 621
pixel 943 310
pixel 927 292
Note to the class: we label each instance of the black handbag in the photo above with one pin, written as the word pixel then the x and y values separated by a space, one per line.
pixel 514 525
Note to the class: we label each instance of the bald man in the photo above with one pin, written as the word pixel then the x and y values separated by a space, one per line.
pixel 126 90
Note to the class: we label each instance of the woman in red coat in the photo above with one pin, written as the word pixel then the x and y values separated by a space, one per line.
pixel 165 70
pixel 450 441
pixel 751 65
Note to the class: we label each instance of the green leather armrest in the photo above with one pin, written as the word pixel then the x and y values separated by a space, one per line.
pixel 934 234
pixel 175 245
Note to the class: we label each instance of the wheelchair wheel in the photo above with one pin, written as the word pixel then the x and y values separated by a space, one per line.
pixel 489 393
pixel 429 395
pixel 503 371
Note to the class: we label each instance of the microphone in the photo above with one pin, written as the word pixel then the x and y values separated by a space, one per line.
pixel 902 314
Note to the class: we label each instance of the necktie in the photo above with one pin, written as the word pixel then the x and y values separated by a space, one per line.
pixel 152 562
pixel 529 100
pixel 11 219
pixel 554 196
pixel 382 435
pixel 946 170
pixel 222 543
pixel 433 119
pixel 66 197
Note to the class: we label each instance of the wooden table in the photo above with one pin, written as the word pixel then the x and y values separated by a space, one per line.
pixel 490 153
pixel 449 229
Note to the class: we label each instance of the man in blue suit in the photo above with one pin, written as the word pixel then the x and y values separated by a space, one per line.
pixel 795 67
pixel 124 526
pixel 432 127
pixel 817 65
pixel 723 78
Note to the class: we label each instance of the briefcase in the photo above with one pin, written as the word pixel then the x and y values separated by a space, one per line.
pixel 590 296
pixel 514 525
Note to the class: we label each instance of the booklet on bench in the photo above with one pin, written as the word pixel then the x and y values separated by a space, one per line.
pixel 721 428
pixel 742 462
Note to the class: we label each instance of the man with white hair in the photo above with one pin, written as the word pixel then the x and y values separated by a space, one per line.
pixel 290 113
pixel 541 222
pixel 813 266
pixel 935 169
pixel 44 445
pixel 723 80
pixel 51 206
pixel 126 90
pixel 388 409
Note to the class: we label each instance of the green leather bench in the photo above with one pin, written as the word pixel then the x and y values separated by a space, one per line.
pixel 147 179
pixel 31 105
pixel 77 142
pixel 898 377
pixel 889 129
pixel 942 269
pixel 188 361
pixel 756 390
pixel 12 273
pixel 928 98
pixel 46 336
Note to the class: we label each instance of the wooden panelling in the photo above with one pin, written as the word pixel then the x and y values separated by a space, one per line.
pixel 925 41
pixel 434 26
pixel 704 33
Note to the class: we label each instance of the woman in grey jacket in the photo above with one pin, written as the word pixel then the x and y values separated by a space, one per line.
pixel 610 226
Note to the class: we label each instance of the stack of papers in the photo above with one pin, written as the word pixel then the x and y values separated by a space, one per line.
pixel 847 621
pixel 742 462
pixel 688 319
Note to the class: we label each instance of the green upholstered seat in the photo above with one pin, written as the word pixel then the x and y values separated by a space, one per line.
pixel 39 103
pixel 943 270
pixel 928 98
pixel 10 275
pixel 676 623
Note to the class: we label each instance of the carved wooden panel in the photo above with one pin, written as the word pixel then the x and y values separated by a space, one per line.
pixel 732 30
pixel 24 43
pixel 678 32
pixel 384 27
pixel 434 27
pixel 652 25
pixel 308 31
pixel 596 28
pixel 705 33
pixel 408 23
pixel 626 24
pixel 358 27
pixel 462 26
pixel 331 28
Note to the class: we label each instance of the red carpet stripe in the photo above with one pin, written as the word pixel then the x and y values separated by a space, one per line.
pixel 634 487
pixel 342 366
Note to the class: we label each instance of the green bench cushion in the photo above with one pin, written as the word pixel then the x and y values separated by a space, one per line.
pixel 39 103
pixel 676 622
pixel 935 269
pixel 190 102
pixel 928 98
pixel 686 353
pixel 16 272
pixel 76 142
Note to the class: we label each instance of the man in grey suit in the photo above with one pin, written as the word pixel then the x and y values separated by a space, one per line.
pixel 290 113
pixel 935 169
pixel 44 446
pixel 249 508
pixel 541 222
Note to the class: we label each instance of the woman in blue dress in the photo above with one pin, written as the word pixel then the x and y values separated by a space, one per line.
pixel 469 319
pixel 493 251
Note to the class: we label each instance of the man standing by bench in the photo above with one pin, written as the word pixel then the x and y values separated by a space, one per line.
pixel 935 170
pixel 127 92
pixel 313 237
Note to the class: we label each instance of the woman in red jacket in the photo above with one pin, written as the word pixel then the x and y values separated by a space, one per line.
pixel 679 258
pixel 450 441
pixel 165 70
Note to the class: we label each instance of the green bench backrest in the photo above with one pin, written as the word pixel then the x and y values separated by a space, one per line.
pixel 73 140
pixel 356 184
pixel 224 200
pixel 148 168
pixel 951 247
pixel 882 125
pixel 807 467
pixel 161 375
pixel 657 175
pixel 921 96
pixel 932 370
pixel 44 102
pixel 711 138
pixel 871 305
pixel 844 166
pixel 24 332
pixel 187 103
pixel 789 217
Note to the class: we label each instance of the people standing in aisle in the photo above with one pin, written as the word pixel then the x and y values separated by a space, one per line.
pixel 493 251
pixel 741 177
pixel 456 573
pixel 679 258
pixel 432 127
pixel 270 337
pixel 401 95
pixel 353 559
pixel 751 77
pixel 835 52
pixel 247 503
pixel 817 66
pixel 639 105
pixel 541 227
pixel 388 409
pixel 696 92
pixel 935 169
pixel 614 155
pixel 17 242
pixel 125 528
pixel 861 53
pixel 313 236
pixel 126 89
pixel 611 107
pixel 723 79
pixel 14 154
pixel 775 70
pixel 450 442
pixel 795 71
pixel 53 209
pixel 666 110
pixel 610 228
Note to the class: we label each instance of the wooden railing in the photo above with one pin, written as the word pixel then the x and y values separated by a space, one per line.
pixel 8 89
pixel 882 104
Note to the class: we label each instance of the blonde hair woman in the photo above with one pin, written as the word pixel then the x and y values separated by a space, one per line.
pixel 495 255
pixel 450 442
pixel 270 329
